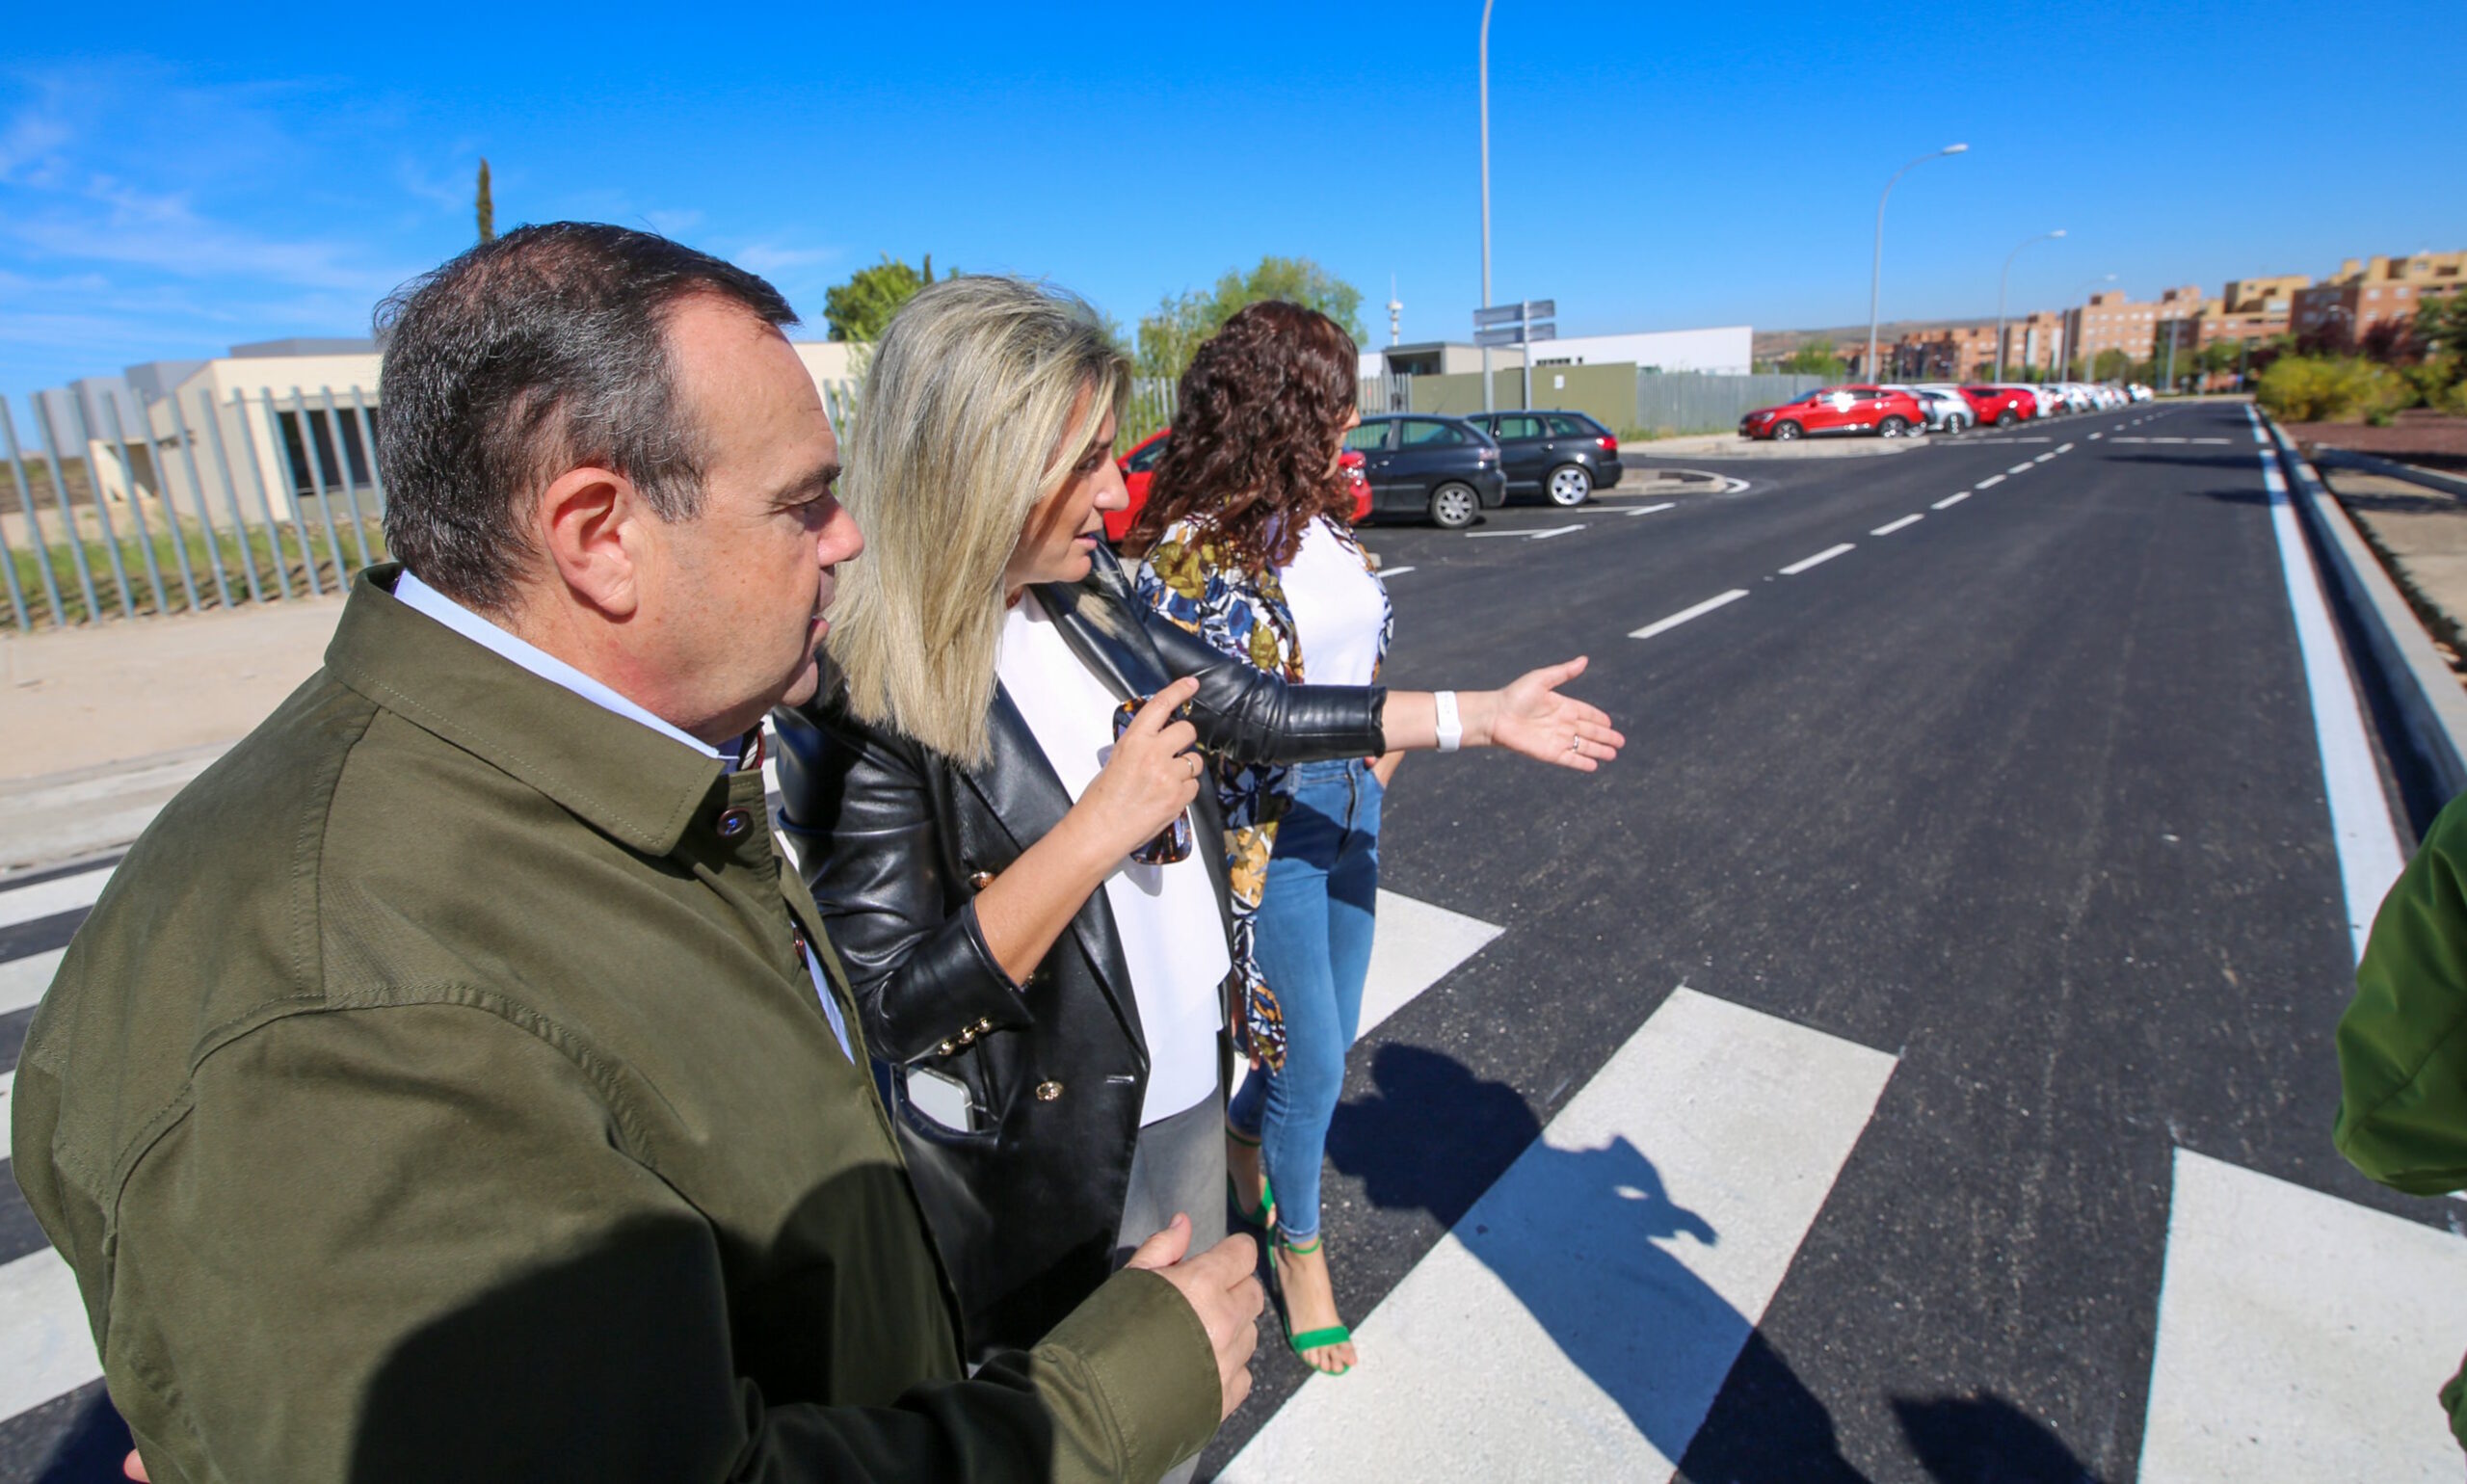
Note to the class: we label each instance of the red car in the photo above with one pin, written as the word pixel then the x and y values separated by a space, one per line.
pixel 2001 407
pixel 1878 409
pixel 1139 466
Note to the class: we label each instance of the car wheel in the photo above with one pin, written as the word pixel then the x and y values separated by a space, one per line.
pixel 1453 507
pixel 1892 428
pixel 1785 431
pixel 2007 418
pixel 1569 485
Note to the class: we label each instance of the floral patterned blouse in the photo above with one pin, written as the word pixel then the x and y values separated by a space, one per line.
pixel 1184 579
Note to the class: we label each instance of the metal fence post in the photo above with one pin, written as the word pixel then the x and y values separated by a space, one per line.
pixel 204 514
pixel 309 557
pixel 231 488
pixel 368 445
pixel 68 513
pixel 316 480
pixel 137 508
pixel 342 464
pixel 34 519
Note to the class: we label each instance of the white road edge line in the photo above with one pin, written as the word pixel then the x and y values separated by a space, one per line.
pixel 1955 498
pixel 1891 526
pixel 2368 843
pixel 1647 509
pixel 1817 559
pixel 1684 614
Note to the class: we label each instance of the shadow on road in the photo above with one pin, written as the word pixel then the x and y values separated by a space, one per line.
pixel 1588 1247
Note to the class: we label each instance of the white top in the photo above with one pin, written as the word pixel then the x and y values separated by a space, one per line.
pixel 1173 935
pixel 1339 608
pixel 420 598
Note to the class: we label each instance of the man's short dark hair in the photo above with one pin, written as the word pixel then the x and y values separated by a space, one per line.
pixel 521 359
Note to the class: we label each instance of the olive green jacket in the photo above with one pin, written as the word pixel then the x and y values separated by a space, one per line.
pixel 2402 1042
pixel 435 1093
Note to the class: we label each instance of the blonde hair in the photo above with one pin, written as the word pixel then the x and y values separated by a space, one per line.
pixel 964 425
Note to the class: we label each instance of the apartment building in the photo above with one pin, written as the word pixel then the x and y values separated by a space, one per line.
pixel 2362 294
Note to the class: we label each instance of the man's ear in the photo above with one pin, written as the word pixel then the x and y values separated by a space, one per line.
pixel 589 523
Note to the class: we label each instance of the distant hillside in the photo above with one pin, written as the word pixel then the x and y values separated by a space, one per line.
pixel 1774 344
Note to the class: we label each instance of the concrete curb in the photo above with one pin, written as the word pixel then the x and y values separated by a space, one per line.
pixel 2432 705
pixel 2370 463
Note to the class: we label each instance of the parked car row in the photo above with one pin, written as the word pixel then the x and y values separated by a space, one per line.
pixel 1446 469
pixel 1899 411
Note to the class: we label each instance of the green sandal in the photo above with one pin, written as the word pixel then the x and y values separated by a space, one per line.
pixel 1308 1340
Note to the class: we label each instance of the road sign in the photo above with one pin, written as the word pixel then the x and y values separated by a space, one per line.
pixel 1511 313
pixel 1515 334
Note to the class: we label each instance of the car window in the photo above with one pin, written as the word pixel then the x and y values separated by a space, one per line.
pixel 1371 436
pixel 1144 457
pixel 1572 427
pixel 1516 428
pixel 1424 432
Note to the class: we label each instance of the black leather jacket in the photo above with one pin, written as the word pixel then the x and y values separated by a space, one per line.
pixel 897 842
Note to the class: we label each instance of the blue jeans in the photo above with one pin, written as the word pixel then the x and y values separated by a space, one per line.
pixel 1314 946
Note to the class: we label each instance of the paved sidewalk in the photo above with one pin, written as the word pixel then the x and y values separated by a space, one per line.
pixel 2420 532
pixel 101 724
pixel 1730 445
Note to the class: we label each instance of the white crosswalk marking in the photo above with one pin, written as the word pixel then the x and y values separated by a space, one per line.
pixel 1579 1319
pixel 22 981
pixel 46 1348
pixel 47 899
pixel 2301 1337
pixel 1415 946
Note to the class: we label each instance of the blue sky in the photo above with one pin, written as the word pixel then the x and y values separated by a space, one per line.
pixel 173 179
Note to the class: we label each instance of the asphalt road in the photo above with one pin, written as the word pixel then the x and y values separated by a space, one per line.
pixel 2024 791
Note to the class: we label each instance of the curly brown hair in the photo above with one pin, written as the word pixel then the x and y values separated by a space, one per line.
pixel 1252 452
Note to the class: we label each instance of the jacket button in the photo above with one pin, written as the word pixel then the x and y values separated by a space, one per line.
pixel 980 881
pixel 734 822
pixel 946 1049
pixel 981 1027
pixel 1049 1091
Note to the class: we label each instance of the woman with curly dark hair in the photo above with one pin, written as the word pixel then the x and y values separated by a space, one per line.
pixel 1248 544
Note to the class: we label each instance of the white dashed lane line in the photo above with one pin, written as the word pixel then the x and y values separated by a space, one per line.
pixel 1386 572
pixel 2021 468
pixel 2098 435
pixel 1662 625
pixel 1647 509
pixel 1891 526
pixel 2043 458
pixel 1989 483
pixel 1956 497
pixel 1817 559
pixel 2066 448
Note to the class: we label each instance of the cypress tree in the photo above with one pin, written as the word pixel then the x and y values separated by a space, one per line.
pixel 487 206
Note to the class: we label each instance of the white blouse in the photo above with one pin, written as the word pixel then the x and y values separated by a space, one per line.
pixel 1172 931
pixel 1339 608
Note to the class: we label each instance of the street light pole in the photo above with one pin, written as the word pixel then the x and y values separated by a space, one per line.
pixel 2003 280
pixel 1486 193
pixel 1876 271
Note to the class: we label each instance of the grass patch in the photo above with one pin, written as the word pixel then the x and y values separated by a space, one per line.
pixel 280 559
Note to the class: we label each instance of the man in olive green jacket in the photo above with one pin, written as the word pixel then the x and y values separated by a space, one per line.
pixel 452 1084
pixel 2402 1042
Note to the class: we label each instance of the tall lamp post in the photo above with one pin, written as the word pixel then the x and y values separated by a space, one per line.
pixel 1876 271
pixel 1486 193
pixel 2003 280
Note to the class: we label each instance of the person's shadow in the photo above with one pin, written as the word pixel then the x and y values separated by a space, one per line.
pixel 1589 1244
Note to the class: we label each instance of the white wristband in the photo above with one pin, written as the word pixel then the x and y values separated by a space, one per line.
pixel 1452 728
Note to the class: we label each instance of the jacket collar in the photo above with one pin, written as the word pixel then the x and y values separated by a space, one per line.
pixel 616 775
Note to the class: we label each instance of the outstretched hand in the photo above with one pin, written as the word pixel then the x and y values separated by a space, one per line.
pixel 1531 717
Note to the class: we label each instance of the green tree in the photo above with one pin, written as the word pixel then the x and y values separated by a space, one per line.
pixel 858 309
pixel 2113 364
pixel 1168 337
pixel 2441 324
pixel 1815 359
pixel 487 205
